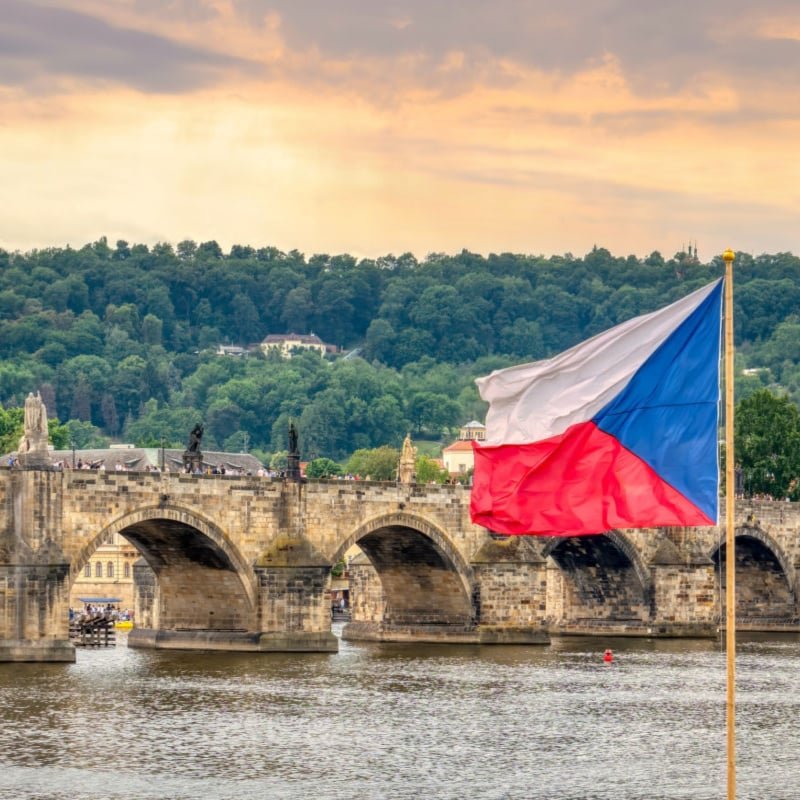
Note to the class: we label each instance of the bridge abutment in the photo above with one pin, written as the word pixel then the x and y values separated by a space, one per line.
pixel 34 587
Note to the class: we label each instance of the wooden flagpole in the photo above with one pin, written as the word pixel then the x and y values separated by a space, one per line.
pixel 730 529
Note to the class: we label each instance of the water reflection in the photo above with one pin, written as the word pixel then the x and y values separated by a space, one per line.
pixel 400 721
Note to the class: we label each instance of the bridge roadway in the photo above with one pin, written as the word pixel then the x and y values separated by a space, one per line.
pixel 244 563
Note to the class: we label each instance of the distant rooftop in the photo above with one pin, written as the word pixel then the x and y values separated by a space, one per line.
pixel 305 338
pixel 459 446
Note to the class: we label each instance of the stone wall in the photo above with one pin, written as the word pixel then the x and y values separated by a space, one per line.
pixel 685 597
pixel 367 602
pixel 253 555
pixel 293 599
pixel 145 601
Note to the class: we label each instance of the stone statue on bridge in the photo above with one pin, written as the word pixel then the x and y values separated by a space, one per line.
pixel 293 455
pixel 195 437
pixel 407 469
pixel 193 456
pixel 32 449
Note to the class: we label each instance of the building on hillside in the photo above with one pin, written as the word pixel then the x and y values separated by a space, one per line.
pixel 458 457
pixel 287 343
pixel 472 430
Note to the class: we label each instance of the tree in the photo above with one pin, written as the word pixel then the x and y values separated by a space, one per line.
pixel 84 435
pixel 108 408
pixel 322 468
pixel 767 445
pixel 297 308
pixel 129 384
pixel 378 464
pixel 167 424
pixel 11 428
pixel 223 419
pixel 429 471
pixel 152 328
pixel 245 315
pixel 82 400
pixel 58 434
pixel 380 341
pixel 238 442
pixel 279 460
pixel 432 411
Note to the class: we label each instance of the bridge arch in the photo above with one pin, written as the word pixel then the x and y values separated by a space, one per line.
pixel 766 578
pixel 622 543
pixel 602 578
pixel 424 578
pixel 203 580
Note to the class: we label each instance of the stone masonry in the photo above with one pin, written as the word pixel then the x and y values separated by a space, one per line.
pixel 244 563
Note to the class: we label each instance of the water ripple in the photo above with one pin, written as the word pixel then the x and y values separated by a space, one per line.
pixel 392 721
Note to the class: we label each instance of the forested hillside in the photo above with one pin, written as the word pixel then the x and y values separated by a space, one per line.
pixel 120 339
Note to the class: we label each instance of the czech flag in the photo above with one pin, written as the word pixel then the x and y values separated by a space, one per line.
pixel 620 431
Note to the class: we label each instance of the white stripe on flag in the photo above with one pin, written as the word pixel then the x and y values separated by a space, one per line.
pixel 535 401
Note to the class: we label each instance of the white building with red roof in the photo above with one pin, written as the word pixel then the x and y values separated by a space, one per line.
pixel 458 457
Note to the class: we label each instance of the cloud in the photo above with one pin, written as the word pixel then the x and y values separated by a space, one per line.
pixel 661 48
pixel 378 126
pixel 41 46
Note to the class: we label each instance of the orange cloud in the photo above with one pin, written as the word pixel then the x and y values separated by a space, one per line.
pixel 329 145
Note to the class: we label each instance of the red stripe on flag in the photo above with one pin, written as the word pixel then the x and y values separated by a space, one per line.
pixel 580 482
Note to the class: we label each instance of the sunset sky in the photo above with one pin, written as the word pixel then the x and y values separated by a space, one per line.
pixel 374 127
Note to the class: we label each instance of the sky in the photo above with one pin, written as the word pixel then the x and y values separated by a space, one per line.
pixel 375 127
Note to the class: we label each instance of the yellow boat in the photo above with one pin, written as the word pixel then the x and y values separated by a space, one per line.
pixel 125 624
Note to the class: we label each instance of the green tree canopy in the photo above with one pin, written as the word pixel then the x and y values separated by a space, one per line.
pixel 767 444
pixel 322 468
pixel 429 471
pixel 11 427
pixel 377 464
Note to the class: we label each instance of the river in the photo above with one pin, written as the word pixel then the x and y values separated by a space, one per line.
pixel 403 721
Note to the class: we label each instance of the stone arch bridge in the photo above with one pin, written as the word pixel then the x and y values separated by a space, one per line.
pixel 244 563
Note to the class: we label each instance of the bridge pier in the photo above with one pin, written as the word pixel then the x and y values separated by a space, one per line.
pixel 30 608
pixel 34 624
pixel 684 604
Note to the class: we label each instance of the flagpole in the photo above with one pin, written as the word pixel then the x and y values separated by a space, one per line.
pixel 730 529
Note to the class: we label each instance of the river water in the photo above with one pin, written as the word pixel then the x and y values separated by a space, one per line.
pixel 403 721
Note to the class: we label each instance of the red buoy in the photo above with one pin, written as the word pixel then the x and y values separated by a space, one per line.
pixel 608 656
